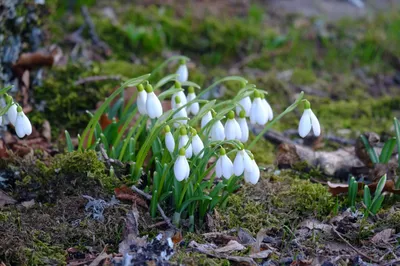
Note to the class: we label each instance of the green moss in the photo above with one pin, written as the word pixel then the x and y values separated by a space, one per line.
pixel 264 151
pixel 182 257
pixel 43 253
pixel 303 76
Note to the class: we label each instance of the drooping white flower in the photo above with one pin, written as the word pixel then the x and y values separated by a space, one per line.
pixel 307 121
pixel 183 141
pixel 267 107
pixel 194 107
pixel 181 166
pixel 182 72
pixel 169 139
pixel 252 176
pixel 197 144
pixel 242 162
pixel 217 131
pixel 22 124
pixel 232 128
pixel 153 104
pixel 180 114
pixel 244 128
pixel 205 119
pixel 12 114
pixel 179 94
pixel 141 99
pixel 224 166
pixel 245 105
pixel 258 114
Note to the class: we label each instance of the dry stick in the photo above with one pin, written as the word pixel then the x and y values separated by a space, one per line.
pixel 148 196
pixel 109 160
pixel 350 245
pixel 96 78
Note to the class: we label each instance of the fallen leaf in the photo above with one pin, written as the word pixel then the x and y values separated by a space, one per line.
pixel 28 204
pixel 383 236
pixel 126 193
pixel 5 199
pixel 261 255
pixel 245 237
pixel 177 238
pixel 132 222
pixel 230 247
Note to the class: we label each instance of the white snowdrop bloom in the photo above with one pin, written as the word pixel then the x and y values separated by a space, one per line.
pixel 180 114
pixel 141 99
pixel 258 114
pixel 12 114
pixel 242 162
pixel 153 104
pixel 244 128
pixel 183 141
pixel 181 166
pixel 217 131
pixel 232 128
pixel 22 124
pixel 205 119
pixel 197 144
pixel 245 105
pixel 194 107
pixel 267 107
pixel 224 166
pixel 169 139
pixel 182 72
pixel 179 94
pixel 307 121
pixel 253 176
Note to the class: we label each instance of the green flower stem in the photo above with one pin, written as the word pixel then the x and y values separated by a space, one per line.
pixel 129 135
pixel 270 124
pixel 125 126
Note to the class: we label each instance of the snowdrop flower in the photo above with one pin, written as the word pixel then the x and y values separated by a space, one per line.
pixel 182 72
pixel 252 176
pixel 197 144
pixel 153 104
pixel 217 131
pixel 180 114
pixel 194 107
pixel 180 94
pixel 183 141
pixel 169 139
pixel 232 128
pixel 242 163
pixel 245 105
pixel 258 114
pixel 244 128
pixel 181 166
pixel 307 121
pixel 205 119
pixel 141 99
pixel 12 113
pixel 22 124
pixel 267 107
pixel 224 166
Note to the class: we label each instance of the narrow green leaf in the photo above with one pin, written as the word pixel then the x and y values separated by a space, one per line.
pixel 387 150
pixel 70 146
pixel 371 152
pixel 165 80
pixel 376 204
pixel 380 186
pixel 188 201
pixel 367 197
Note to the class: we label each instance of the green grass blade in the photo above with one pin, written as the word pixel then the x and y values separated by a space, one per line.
pixel 70 146
pixel 387 150
pixel 367 197
pixel 371 152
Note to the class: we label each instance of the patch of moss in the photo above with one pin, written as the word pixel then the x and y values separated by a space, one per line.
pixel 183 257
pixel 264 151
pixel 303 76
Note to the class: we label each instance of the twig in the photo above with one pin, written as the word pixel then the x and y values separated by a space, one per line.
pixel 92 31
pixel 157 224
pixel 148 196
pixel 96 78
pixel 109 160
pixel 392 262
pixel 352 247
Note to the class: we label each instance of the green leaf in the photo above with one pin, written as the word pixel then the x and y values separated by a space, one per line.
pixel 4 90
pixel 153 203
pixel 190 83
pixel 397 130
pixel 387 150
pixel 165 80
pixel 188 201
pixel 70 146
pixel 168 93
pixel 380 186
pixel 376 204
pixel 371 152
pixel 114 109
pixel 367 197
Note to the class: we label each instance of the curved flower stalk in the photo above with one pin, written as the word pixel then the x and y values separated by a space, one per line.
pixel 153 104
pixel 23 126
pixel 307 121
pixel 258 113
pixel 197 144
pixel 244 128
pixel 224 166
pixel 205 119
pixel 180 114
pixel 194 107
pixel 169 139
pixel 267 107
pixel 232 128
pixel 183 142
pixel 141 99
pixel 180 94
pixel 181 166
pixel 253 175
pixel 182 72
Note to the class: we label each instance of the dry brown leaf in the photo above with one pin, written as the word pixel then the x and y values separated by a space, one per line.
pixel 125 193
pixel 383 236
pixel 5 199
pixel 177 238
pixel 232 245
pixel 46 130
pixel 28 204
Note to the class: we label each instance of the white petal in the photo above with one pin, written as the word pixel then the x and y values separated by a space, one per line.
pixel 229 129
pixel 181 168
pixel 1 120
pixel 170 142
pixel 153 106
pixel 197 146
pixel 244 129
pixel 227 167
pixel 183 140
pixel 218 167
pixel 248 162
pixel 217 132
pixel 246 104
pixel 194 107
pixel 305 123
pixel 262 113
pixel 315 124
pixel 12 114
pixel 180 114
pixel 183 73
pixel 181 96
pixel 20 125
pixel 238 164
pixel 238 131
pixel 268 109
pixel 141 101
pixel 27 125
pixel 205 119
pixel 253 176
